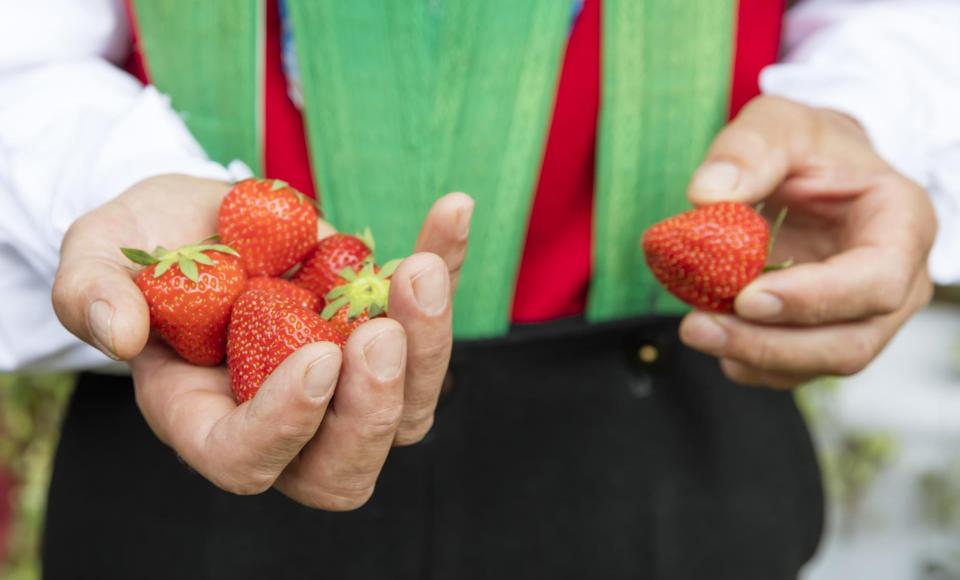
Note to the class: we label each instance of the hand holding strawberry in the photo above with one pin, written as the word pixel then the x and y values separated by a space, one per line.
pixel 384 383
pixel 859 232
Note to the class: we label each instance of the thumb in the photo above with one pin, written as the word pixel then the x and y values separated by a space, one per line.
pixel 262 436
pixel 94 295
pixel 755 153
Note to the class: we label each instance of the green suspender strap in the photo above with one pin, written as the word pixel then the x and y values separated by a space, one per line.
pixel 408 100
pixel 664 95
pixel 208 56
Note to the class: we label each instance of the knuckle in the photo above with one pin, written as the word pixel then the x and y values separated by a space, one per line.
pixel 382 423
pixel 413 432
pixel 814 306
pixel 761 353
pixel 747 142
pixel 248 484
pixel 432 357
pixel 295 431
pixel 890 293
pixel 889 298
pixel 66 287
pixel 857 353
pixel 349 494
pixel 819 311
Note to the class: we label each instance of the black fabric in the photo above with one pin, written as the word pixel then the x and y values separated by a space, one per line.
pixel 558 453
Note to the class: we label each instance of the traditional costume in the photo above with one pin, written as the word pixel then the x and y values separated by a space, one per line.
pixel 579 438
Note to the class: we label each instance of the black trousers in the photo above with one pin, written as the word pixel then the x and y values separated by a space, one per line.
pixel 558 453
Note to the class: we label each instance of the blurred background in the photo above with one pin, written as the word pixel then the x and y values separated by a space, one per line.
pixel 888 440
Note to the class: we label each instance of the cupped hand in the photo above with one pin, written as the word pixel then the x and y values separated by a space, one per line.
pixel 858 232
pixel 321 426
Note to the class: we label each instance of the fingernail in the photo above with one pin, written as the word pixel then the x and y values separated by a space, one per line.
pixel 464 216
pixel 758 305
pixel 702 331
pixel 716 180
pixel 100 321
pixel 384 354
pixel 321 376
pixel 430 288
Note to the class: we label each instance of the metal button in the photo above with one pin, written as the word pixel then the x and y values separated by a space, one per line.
pixel 648 354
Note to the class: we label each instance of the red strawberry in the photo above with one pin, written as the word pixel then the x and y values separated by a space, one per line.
pixel 707 255
pixel 284 288
pixel 272 225
pixel 359 296
pixel 264 330
pixel 190 292
pixel 329 257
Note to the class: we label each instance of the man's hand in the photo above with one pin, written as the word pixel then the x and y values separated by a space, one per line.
pixel 858 231
pixel 320 428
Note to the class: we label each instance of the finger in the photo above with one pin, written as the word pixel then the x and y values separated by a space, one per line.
pixel 888 248
pixel 838 349
pixel 755 152
pixel 242 449
pixel 747 375
pixel 842 349
pixel 93 294
pixel 445 232
pixel 420 302
pixel 845 287
pixel 338 468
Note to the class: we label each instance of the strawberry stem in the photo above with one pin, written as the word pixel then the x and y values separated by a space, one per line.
pixel 779 266
pixel 775 230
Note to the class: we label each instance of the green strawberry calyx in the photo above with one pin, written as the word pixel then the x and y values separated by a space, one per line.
pixel 185 257
pixel 365 291
pixel 366 236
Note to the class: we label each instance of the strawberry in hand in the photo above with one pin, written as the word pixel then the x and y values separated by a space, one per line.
pixel 706 256
pixel 272 225
pixel 358 296
pixel 285 289
pixel 190 292
pixel 322 266
pixel 264 330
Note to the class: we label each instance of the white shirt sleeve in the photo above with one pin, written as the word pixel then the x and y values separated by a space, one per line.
pixel 894 65
pixel 75 131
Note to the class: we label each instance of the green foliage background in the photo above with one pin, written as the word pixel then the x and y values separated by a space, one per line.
pixel 31 409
